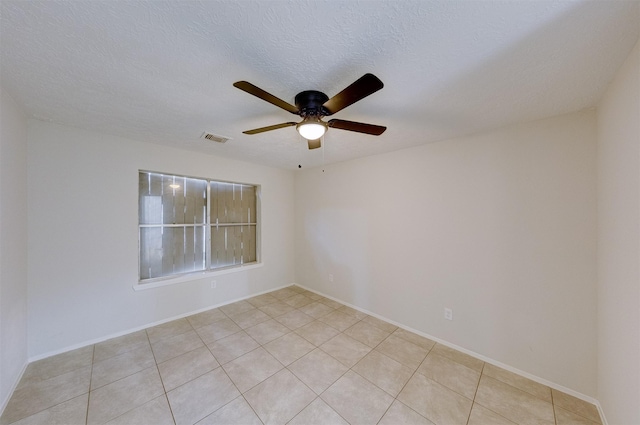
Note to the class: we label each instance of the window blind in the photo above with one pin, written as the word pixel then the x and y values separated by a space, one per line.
pixel 191 224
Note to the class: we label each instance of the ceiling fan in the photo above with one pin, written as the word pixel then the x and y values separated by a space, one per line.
pixel 313 105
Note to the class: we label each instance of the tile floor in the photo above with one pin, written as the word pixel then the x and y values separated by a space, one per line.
pixel 287 357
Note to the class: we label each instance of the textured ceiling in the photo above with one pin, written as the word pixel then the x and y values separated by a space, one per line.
pixel 162 72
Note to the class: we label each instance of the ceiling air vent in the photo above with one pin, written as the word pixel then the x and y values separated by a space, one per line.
pixel 215 137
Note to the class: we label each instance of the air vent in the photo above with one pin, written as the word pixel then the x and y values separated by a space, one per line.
pixel 215 137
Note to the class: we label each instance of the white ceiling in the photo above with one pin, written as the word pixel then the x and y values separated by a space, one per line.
pixel 162 72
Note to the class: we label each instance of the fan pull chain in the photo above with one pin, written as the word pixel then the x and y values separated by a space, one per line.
pixel 300 155
pixel 323 144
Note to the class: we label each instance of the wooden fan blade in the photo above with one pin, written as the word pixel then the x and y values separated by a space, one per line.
pixel 361 88
pixel 258 92
pixel 314 144
pixel 360 127
pixel 269 128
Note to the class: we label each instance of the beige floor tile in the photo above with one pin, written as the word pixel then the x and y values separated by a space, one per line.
pixel 72 412
pixel 276 309
pixel 345 349
pixel 520 382
pixel 218 330
pixel 512 403
pixel 338 320
pixel 318 413
pixel 316 309
pixel 236 308
pixel 403 351
pixel 37 396
pixel 186 367
pixel 295 319
pixel 289 348
pixel 452 375
pixel 458 356
pixel 237 411
pixel 250 318
pixel 483 416
pixel 119 397
pixel 399 413
pixel 169 329
pixel 57 365
pixel 297 301
pixel 356 399
pixel 575 405
pixel 156 412
pixel 312 295
pixel 206 318
pixel 384 372
pixel 330 303
pixel 564 417
pixel 267 331
pixel 416 339
pixel 322 298
pixel 380 324
pixel 435 402
pixel 120 345
pixel 297 289
pixel 352 312
pixel 284 293
pixel 318 370
pixel 168 348
pixel 120 366
pixel 317 332
pixel 292 361
pixel 232 347
pixel 367 334
pixel 262 300
pixel 252 368
pixel 197 399
pixel 268 402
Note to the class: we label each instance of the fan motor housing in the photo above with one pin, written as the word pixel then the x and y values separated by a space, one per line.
pixel 309 103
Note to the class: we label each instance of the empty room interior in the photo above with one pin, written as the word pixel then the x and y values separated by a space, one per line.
pixel 458 244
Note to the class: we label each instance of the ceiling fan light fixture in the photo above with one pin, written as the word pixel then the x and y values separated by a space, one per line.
pixel 312 128
pixel 313 105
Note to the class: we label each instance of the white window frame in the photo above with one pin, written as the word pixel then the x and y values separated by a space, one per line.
pixel 208 271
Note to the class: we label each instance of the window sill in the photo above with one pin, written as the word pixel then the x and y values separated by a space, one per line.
pixel 194 276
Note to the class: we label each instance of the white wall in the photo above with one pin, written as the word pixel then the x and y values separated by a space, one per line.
pixel 619 245
pixel 13 245
pixel 500 227
pixel 83 243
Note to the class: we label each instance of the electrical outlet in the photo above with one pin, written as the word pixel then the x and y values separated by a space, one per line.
pixel 214 284
pixel 448 313
pixel 330 277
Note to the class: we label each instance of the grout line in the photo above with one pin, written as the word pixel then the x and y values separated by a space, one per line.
pixel 470 353
pixel 248 404
pixel 93 356
pixel 166 396
pixel 294 331
pixel 473 401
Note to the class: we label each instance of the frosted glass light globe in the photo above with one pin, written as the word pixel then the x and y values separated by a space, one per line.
pixel 312 128
pixel 311 131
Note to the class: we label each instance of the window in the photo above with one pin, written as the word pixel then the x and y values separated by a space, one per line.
pixel 191 224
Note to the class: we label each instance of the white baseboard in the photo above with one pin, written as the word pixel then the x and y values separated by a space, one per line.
pixel 485 359
pixel 400 325
pixel 146 326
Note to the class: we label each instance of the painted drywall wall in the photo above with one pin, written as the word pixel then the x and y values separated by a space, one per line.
pixel 83 243
pixel 619 245
pixel 500 227
pixel 13 245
